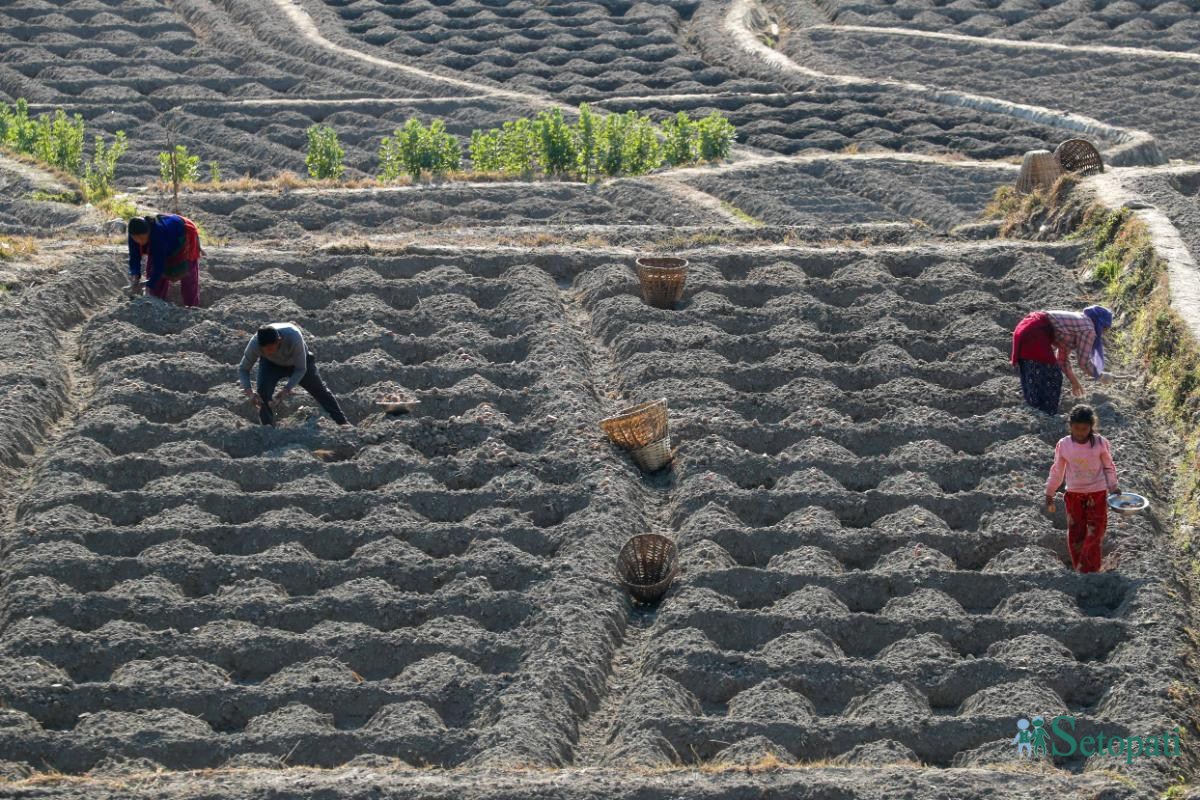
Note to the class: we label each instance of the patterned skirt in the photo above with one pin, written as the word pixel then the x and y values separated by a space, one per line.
pixel 1041 384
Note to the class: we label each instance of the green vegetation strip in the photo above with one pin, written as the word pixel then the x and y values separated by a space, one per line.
pixel 1134 281
pixel 1122 264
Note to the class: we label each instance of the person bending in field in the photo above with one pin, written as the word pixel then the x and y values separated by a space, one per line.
pixel 170 245
pixel 1042 344
pixel 283 353
pixel 1085 460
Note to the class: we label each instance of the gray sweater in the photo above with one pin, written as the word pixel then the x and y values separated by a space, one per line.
pixel 291 353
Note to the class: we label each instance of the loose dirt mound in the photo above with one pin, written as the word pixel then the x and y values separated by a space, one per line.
pixel 839 192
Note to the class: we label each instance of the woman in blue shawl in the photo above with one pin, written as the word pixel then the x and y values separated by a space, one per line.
pixel 1042 345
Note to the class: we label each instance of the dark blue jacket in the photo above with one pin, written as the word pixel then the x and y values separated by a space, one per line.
pixel 168 234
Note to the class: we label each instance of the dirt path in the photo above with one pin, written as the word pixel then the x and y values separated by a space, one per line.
pixel 752 163
pixel 278 102
pixel 1018 44
pixel 1183 271
pixel 41 178
pixel 703 200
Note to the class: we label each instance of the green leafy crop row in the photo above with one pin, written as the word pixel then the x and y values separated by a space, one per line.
pixel 616 144
pixel 57 140
pixel 591 147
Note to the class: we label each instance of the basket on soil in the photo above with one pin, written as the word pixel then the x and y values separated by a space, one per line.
pixel 1079 155
pixel 662 279
pixel 1039 170
pixel 654 456
pixel 646 565
pixel 637 426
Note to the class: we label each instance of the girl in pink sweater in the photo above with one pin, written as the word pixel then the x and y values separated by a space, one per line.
pixel 1085 460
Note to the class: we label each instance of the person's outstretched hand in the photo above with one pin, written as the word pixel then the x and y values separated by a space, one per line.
pixel 253 397
pixel 1077 388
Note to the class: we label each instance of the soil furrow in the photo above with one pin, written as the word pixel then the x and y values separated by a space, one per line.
pixel 597 733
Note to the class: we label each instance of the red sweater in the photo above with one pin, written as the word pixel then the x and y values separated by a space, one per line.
pixel 1033 339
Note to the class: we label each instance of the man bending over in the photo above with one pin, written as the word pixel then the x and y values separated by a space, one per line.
pixel 281 347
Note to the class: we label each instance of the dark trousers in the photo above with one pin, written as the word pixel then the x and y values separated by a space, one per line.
pixel 270 373
pixel 1041 384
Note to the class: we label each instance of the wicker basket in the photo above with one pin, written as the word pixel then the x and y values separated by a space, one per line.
pixel 1039 170
pixel 662 280
pixel 646 566
pixel 654 456
pixel 1079 155
pixel 637 426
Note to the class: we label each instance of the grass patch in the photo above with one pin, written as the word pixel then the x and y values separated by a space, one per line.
pixel 72 198
pixel 741 215
pixel 14 247
pixel 118 206
pixel 284 181
pixel 1042 214
pixel 206 238
pixel 1176 792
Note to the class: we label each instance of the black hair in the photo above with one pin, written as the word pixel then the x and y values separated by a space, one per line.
pixel 267 335
pixel 139 225
pixel 1086 415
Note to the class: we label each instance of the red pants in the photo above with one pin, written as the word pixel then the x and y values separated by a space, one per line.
pixel 189 286
pixel 1087 520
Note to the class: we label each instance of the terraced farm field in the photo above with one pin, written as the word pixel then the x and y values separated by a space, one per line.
pixel 1166 25
pixel 870 595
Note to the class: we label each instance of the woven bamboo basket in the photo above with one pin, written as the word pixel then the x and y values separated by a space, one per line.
pixel 654 456
pixel 646 566
pixel 1039 170
pixel 1079 155
pixel 637 426
pixel 662 280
